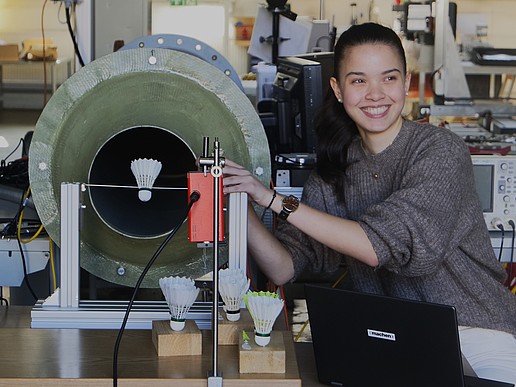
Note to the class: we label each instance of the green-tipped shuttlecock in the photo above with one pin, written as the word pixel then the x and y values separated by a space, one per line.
pixel 264 308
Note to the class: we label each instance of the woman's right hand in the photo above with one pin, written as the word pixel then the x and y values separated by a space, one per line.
pixel 239 179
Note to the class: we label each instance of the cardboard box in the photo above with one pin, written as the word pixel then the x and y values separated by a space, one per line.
pixel 9 53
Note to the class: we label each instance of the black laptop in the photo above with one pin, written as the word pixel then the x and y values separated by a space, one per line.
pixel 363 340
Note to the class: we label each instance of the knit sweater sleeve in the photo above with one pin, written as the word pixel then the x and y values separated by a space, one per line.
pixel 308 254
pixel 431 211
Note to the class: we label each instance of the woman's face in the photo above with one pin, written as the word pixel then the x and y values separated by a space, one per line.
pixel 372 86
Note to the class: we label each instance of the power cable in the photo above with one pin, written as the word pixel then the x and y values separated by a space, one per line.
pixel 511 261
pixel 25 273
pixel 193 198
pixel 44 44
pixel 72 35
pixel 2 299
pixel 2 163
pixel 499 225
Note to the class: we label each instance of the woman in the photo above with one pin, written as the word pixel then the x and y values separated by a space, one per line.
pixel 395 199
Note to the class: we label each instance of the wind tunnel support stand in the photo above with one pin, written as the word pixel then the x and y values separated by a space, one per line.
pixel 69 258
pixel 66 297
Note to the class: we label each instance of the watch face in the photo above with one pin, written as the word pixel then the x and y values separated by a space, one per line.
pixel 290 203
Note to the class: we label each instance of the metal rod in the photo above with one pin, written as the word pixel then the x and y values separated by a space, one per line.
pixel 216 184
pixel 275 34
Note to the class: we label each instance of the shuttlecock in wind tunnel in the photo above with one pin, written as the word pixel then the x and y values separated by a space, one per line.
pixel 145 171
pixel 180 293
pixel 264 308
pixel 233 284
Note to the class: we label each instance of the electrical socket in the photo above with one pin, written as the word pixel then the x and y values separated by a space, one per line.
pixel 497 223
pixel 282 178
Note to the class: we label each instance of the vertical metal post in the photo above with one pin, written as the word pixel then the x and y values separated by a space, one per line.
pixel 216 172
pixel 237 244
pixel 275 34
pixel 69 261
pixel 214 380
pixel 216 215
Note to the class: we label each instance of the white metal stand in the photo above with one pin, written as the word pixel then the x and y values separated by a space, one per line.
pixel 64 309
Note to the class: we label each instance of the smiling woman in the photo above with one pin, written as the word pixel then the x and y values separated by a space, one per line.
pixel 394 199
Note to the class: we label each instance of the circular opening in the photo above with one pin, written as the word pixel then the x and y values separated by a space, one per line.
pixel 119 207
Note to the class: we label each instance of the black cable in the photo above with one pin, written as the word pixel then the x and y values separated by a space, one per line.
pixel 513 226
pixel 13 224
pixel 502 229
pixel 2 299
pixel 194 196
pixel 10 154
pixel 70 30
pixel 24 264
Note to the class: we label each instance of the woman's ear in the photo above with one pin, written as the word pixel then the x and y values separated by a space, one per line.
pixel 408 77
pixel 336 90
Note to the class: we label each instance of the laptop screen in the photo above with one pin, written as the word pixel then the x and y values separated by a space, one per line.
pixel 369 340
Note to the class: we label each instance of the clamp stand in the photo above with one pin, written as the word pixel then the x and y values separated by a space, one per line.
pixel 216 163
pixel 278 8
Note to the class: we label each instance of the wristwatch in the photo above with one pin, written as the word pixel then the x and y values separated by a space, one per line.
pixel 290 204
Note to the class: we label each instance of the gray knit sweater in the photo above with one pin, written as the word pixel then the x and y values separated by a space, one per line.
pixel 418 205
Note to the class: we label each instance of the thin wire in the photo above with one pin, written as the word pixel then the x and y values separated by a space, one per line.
pixel 25 273
pixel 502 229
pixel 10 154
pixel 132 186
pixel 20 220
pixel 22 255
pixel 45 78
pixel 52 263
pixel 72 35
pixel 511 262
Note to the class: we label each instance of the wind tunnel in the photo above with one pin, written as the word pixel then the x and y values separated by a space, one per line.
pixel 139 103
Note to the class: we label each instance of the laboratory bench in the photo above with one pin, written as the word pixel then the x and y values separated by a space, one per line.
pixel 84 357
pixel 52 67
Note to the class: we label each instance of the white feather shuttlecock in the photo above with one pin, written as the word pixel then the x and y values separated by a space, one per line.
pixel 180 293
pixel 233 284
pixel 264 308
pixel 145 171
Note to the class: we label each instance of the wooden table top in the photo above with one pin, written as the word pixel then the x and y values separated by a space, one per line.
pixel 61 357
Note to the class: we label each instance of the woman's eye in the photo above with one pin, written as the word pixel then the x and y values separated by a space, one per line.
pixel 357 81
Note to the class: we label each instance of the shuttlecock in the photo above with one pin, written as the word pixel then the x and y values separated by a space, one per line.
pixel 180 293
pixel 233 284
pixel 145 171
pixel 264 308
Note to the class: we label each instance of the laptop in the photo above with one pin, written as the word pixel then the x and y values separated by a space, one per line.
pixel 363 340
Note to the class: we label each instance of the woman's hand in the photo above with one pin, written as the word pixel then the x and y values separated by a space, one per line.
pixel 239 179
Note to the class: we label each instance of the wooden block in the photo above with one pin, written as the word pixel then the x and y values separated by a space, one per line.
pixel 231 331
pixel 268 359
pixel 171 343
